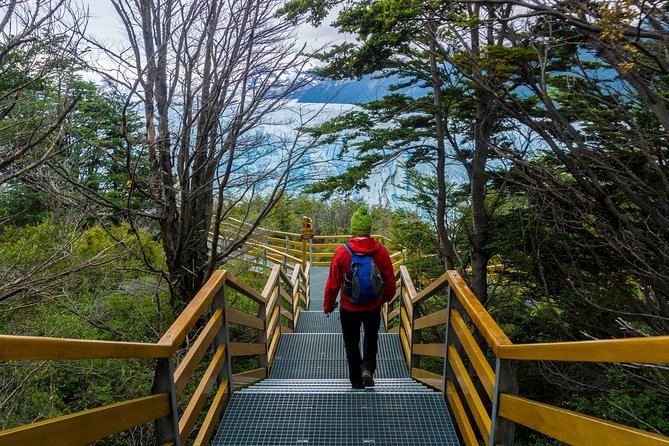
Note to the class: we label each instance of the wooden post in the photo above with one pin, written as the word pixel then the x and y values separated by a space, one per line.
pixel 306 234
pixel 502 431
pixel 167 427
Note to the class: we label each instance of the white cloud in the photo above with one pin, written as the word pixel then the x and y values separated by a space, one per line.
pixel 105 26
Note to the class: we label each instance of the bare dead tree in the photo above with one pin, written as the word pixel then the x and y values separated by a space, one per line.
pixel 211 76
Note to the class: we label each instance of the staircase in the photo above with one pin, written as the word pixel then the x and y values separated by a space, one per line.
pixel 308 400
pixel 305 398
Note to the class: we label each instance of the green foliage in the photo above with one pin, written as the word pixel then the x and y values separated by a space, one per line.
pixel 329 217
pixel 100 138
pixel 419 240
pixel 315 10
pixel 623 403
pixel 19 205
pixel 113 301
pixel 86 134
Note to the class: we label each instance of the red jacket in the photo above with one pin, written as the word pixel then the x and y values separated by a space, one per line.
pixel 340 265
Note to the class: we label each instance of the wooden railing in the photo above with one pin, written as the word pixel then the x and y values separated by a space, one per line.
pixel 485 402
pixel 279 304
pixel 482 394
pixel 267 247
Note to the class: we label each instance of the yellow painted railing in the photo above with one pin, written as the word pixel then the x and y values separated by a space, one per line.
pixel 267 247
pixel 483 397
pixel 484 400
pixel 279 307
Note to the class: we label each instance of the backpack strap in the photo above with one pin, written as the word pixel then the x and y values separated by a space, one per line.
pixel 353 253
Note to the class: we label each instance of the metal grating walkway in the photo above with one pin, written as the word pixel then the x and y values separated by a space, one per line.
pixel 308 400
pixel 314 322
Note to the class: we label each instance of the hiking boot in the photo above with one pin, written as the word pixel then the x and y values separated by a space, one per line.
pixel 357 385
pixel 367 378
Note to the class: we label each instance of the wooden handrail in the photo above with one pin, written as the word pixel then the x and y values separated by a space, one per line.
pixel 408 284
pixel 395 254
pixel 246 290
pixel 285 278
pixel 244 319
pixel 460 415
pixel 469 390
pixel 213 415
pixel 34 348
pixel 289 242
pixel 649 350
pixel 268 291
pixel 176 334
pixel 260 228
pixel 434 288
pixel 187 366
pixel 491 332
pixel 100 422
pixel 279 252
pixel 192 411
pixel 572 427
pixel 474 353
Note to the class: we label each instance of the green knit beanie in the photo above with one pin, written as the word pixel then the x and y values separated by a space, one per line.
pixel 361 222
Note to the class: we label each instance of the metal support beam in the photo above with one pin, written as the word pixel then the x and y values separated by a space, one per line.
pixel 448 335
pixel 502 431
pixel 221 338
pixel 167 427
pixel 416 336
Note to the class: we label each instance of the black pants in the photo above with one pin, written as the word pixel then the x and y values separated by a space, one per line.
pixel 350 327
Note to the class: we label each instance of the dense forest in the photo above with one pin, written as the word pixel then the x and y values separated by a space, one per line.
pixel 556 114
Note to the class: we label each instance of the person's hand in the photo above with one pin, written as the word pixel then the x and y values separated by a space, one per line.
pixel 328 310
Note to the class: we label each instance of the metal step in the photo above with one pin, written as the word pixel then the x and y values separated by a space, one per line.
pixel 318 322
pixel 331 346
pixel 392 385
pixel 322 356
pixel 347 418
pixel 319 276
pixel 332 369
